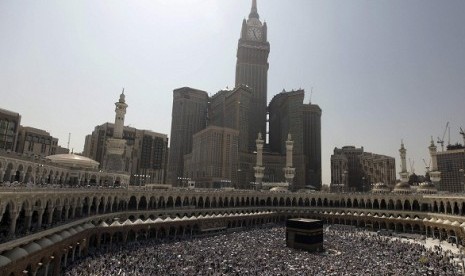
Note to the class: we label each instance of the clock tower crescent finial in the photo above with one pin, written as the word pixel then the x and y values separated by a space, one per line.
pixel 253 11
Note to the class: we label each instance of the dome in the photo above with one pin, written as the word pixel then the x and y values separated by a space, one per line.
pixel 44 242
pixel 380 188
pixel 72 231
pixel 65 234
pixel 32 247
pixel 16 254
pixel 73 160
pixel 88 225
pixel 103 224
pixel 427 188
pixel 278 189
pixel 4 260
pixel 79 228
pixel 55 238
pixel 402 187
pixel 116 223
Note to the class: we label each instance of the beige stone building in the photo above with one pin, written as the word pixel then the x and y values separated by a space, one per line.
pixel 213 162
pixel 38 142
pixel 244 109
pixel 353 169
pixel 451 165
pixel 9 126
pixel 118 148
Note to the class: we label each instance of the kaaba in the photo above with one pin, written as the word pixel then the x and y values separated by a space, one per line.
pixel 305 234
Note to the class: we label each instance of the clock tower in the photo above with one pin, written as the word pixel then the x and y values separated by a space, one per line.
pixel 252 70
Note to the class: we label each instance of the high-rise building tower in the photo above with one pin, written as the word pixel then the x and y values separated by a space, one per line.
pixel 116 146
pixel 252 69
pixel 311 119
pixel 189 116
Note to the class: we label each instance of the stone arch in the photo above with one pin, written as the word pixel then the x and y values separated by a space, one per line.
pixel 143 205
pixel 448 208
pixel 376 204
pixel 383 204
pixel 325 202
pixel 441 207
pixel 407 205
pixel 349 203
pixel 399 205
pixel 132 204
pixel 178 202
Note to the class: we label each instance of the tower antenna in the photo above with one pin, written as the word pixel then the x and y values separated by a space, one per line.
pixel 69 138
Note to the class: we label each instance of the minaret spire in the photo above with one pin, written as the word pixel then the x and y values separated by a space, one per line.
pixel 253 11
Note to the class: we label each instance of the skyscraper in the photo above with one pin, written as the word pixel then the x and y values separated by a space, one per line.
pixel 243 111
pixel 289 115
pixel 311 119
pixel 189 116
pixel 252 69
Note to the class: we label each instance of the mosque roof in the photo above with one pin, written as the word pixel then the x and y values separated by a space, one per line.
pixel 73 160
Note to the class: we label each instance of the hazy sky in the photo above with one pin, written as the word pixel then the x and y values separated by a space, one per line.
pixel 381 71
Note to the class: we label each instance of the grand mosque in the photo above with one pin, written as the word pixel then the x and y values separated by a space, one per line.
pixel 215 140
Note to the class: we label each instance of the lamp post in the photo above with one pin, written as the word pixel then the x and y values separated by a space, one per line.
pixel 363 183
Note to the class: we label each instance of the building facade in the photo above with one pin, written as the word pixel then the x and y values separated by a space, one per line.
pixel 9 127
pixel 352 169
pixel 37 142
pixel 118 148
pixel 189 116
pixel 245 110
pixel 115 148
pixel 95 147
pixel 213 162
pixel 252 67
pixel 311 119
pixel 451 165
pixel 146 152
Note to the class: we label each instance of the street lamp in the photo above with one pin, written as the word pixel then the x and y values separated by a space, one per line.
pixel 363 183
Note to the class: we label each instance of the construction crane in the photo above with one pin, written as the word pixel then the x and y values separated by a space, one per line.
pixel 427 166
pixel 463 136
pixel 441 141
pixel 412 163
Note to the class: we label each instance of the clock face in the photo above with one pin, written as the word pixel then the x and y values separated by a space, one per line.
pixel 254 33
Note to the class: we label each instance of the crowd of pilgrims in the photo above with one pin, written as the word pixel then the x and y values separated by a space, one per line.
pixel 263 251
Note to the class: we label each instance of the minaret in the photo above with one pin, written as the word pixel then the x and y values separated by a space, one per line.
pixel 434 174
pixel 404 173
pixel 403 186
pixel 120 112
pixel 259 169
pixel 116 146
pixel 289 171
